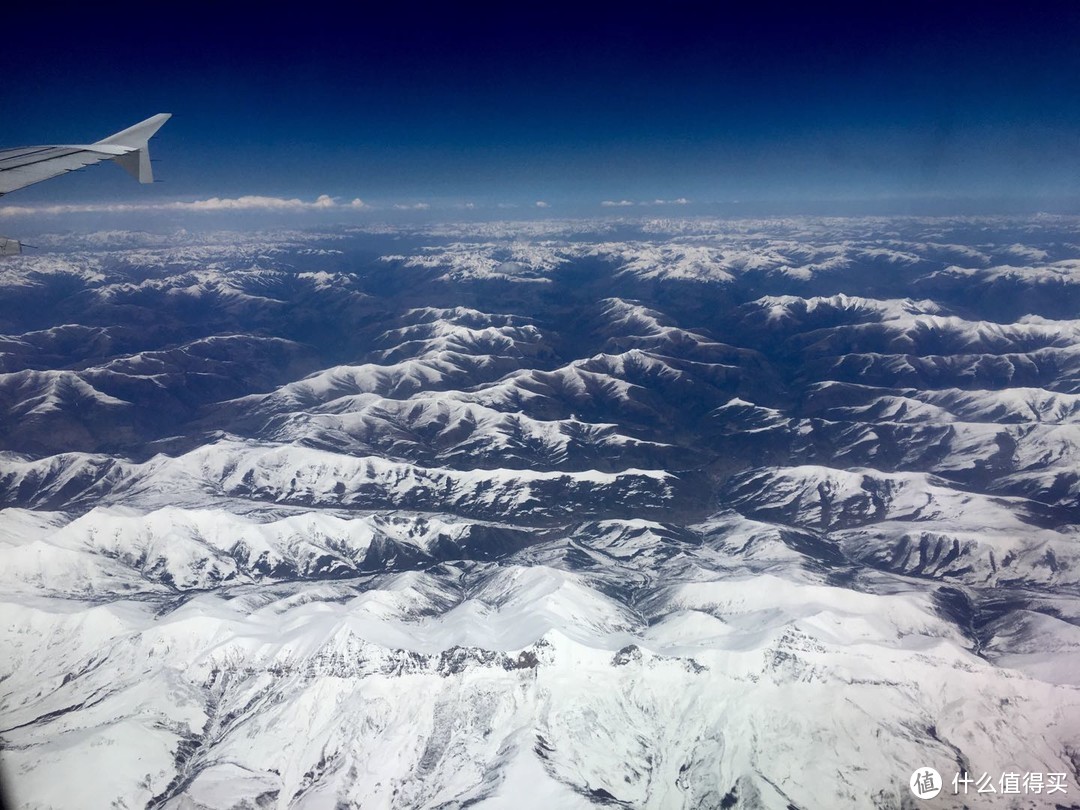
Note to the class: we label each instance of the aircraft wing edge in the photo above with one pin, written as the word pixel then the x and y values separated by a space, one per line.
pixel 128 147
pixel 136 138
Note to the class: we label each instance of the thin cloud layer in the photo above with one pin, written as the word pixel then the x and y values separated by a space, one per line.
pixel 269 204
pixel 628 203
pixel 248 202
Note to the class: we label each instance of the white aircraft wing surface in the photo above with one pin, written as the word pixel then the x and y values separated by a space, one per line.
pixel 26 165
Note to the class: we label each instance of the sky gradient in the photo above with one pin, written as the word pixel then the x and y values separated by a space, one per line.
pixel 573 108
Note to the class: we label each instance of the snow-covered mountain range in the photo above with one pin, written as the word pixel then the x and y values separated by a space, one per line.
pixel 653 514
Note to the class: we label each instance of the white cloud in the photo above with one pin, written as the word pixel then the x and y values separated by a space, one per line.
pixel 248 202
pixel 26 210
pixel 245 203
pixel 627 203
pixel 256 202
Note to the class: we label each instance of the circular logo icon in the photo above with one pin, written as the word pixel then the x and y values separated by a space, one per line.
pixel 925 783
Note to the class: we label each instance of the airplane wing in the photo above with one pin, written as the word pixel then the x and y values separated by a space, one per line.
pixel 31 164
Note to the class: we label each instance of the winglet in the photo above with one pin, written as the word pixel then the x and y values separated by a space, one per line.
pixel 137 137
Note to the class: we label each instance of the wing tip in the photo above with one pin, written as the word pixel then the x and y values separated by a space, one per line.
pixel 137 162
pixel 138 134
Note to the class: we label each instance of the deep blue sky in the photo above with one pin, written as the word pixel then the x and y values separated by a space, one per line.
pixel 819 103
